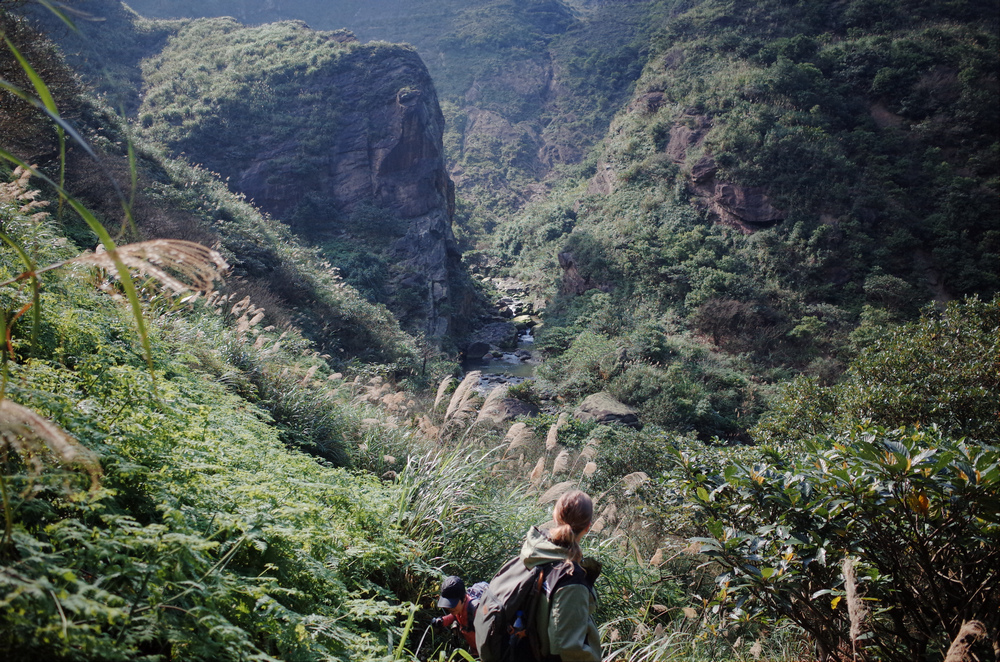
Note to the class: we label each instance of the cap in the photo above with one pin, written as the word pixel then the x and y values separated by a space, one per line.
pixel 452 592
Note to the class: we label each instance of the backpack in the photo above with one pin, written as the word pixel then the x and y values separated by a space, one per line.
pixel 508 607
pixel 475 591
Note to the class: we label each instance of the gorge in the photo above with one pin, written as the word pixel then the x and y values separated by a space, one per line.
pixel 755 244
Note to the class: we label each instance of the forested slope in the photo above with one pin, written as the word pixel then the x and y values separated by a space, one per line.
pixel 785 177
pixel 265 472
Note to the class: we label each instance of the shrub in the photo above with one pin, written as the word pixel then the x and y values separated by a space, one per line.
pixel 915 513
pixel 940 370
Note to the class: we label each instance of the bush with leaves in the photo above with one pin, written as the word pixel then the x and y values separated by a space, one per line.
pixel 941 370
pixel 912 513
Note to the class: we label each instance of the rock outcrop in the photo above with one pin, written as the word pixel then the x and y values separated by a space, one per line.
pixel 507 409
pixel 496 335
pixel 745 207
pixel 573 282
pixel 341 140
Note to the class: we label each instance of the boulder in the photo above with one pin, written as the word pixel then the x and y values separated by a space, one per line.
pixel 476 350
pixel 602 408
pixel 523 322
pixel 497 334
pixel 507 409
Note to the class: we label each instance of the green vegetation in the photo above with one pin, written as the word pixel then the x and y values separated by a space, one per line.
pixel 525 86
pixel 261 473
pixel 878 541
pixel 825 520
pixel 887 194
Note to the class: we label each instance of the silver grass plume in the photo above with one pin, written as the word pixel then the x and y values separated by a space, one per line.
pixel 517 436
pixel 971 632
pixel 178 265
pixel 635 479
pixel 562 462
pixel 535 477
pixel 856 610
pixel 553 493
pixel 458 398
pixel 35 438
pixel 442 389
pixel 552 437
pixel 498 393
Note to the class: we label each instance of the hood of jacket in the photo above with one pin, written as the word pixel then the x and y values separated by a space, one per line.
pixel 538 549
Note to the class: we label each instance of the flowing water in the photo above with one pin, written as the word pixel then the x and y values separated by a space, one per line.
pixel 517 365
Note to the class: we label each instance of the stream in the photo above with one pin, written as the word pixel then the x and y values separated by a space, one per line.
pixel 502 366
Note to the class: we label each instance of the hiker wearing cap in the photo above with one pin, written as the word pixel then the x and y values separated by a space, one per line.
pixel 564 622
pixel 461 607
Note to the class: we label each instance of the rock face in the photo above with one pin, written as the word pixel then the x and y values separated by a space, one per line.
pixel 745 207
pixel 501 335
pixel 573 282
pixel 602 408
pixel 344 143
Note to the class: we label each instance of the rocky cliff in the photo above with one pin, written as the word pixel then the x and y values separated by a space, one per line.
pixel 340 139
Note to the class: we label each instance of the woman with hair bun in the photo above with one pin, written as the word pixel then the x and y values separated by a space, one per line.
pixel 564 621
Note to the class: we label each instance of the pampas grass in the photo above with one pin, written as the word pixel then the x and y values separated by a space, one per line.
pixel 856 610
pixel 552 437
pixel 535 477
pixel 971 632
pixel 553 493
pixel 561 465
pixel 635 479
pixel 178 265
pixel 497 394
pixel 37 439
pixel 461 396
pixel 442 390
pixel 517 436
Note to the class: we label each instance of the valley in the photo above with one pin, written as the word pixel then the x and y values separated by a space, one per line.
pixel 731 268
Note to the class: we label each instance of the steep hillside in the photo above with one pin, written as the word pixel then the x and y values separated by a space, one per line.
pixel 340 140
pixel 526 87
pixel 784 178
pixel 170 199
pixel 158 501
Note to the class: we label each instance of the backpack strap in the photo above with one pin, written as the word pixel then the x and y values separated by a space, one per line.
pixel 563 574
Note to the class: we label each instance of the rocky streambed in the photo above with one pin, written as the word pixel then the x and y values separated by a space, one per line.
pixel 503 350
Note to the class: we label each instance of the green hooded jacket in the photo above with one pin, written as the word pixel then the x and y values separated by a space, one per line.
pixel 565 626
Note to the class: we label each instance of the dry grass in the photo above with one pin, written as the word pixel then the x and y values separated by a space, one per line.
pixel 442 390
pixel 178 265
pixel 856 610
pixel 38 441
pixel 970 633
